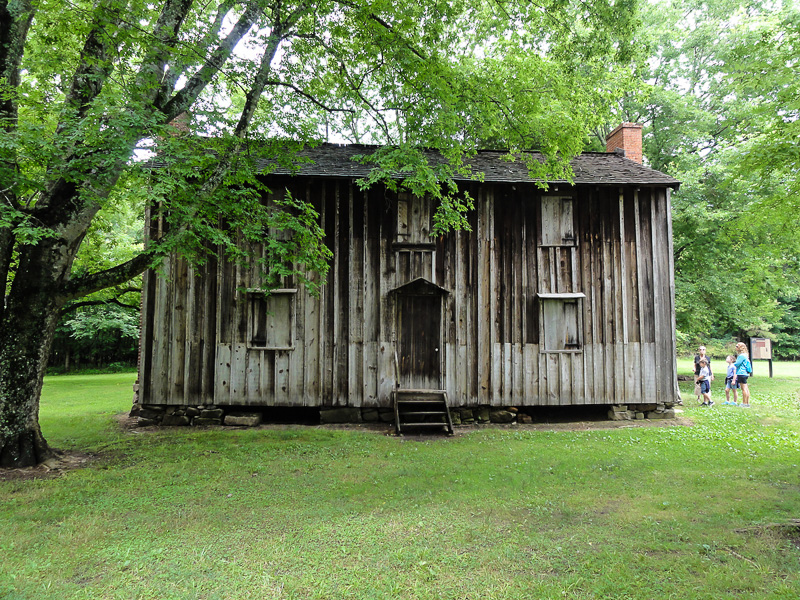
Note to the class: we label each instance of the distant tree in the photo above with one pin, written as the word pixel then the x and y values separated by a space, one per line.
pixel 787 333
pixel 98 335
pixel 720 109
pixel 765 69
pixel 83 85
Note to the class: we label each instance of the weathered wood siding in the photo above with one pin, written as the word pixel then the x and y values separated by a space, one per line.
pixel 589 267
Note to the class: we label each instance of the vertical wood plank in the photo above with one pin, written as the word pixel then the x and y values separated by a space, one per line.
pixel 607 309
pixel 461 301
pixel 222 376
pixel 177 336
pixel 372 299
pixel 485 322
pixel 673 374
pixel 194 371
pixel 496 273
pixel 337 343
pixel 623 266
pixel 162 334
pixel 238 379
pixel 282 378
pixel 583 279
pixel 386 370
pixel 598 305
pixel 253 392
pixel 553 379
pixel 326 329
pixel 473 290
pixel 661 283
pixel 355 335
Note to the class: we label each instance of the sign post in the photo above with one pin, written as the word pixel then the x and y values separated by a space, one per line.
pixel 761 349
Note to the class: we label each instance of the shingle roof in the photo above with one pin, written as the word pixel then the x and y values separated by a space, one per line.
pixel 589 168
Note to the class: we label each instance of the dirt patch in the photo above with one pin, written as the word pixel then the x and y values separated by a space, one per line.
pixel 554 423
pixel 790 530
pixel 125 421
pixel 62 463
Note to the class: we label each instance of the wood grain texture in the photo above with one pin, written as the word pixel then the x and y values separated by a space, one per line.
pixel 611 246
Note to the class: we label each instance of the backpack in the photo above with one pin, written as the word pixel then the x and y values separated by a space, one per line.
pixel 748 365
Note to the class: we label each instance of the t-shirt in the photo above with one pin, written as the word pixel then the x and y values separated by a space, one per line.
pixel 697 364
pixel 731 371
pixel 705 373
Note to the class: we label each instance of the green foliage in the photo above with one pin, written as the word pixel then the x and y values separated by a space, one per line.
pixel 765 70
pixel 92 325
pixel 98 335
pixel 447 75
pixel 716 348
pixel 87 89
pixel 721 79
pixel 786 344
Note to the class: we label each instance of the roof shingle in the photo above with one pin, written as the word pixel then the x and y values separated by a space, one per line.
pixel 589 168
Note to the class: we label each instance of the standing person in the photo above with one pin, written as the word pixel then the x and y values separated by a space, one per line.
pixel 704 379
pixel 701 353
pixel 729 384
pixel 742 373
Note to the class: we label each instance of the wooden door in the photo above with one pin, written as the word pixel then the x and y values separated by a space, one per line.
pixel 419 320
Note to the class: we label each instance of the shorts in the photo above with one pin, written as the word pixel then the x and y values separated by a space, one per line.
pixel 742 379
pixel 729 385
pixel 705 386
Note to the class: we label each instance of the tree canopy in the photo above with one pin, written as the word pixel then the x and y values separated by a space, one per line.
pixel 86 87
pixel 719 99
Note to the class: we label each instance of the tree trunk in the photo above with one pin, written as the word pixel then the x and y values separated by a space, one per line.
pixel 23 357
pixel 26 337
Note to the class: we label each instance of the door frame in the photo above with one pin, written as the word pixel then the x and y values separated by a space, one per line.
pixel 423 288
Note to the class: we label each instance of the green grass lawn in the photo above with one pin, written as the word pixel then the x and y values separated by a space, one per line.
pixel 297 513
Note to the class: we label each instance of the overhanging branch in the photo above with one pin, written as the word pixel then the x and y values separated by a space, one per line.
pixel 198 82
pixel 76 305
pixel 94 282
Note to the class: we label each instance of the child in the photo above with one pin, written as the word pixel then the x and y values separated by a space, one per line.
pixel 729 384
pixel 704 379
pixel 701 353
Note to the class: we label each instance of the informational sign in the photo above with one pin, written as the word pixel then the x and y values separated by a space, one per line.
pixel 760 349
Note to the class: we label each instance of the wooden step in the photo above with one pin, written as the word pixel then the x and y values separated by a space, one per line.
pixel 418 401
pixel 421 408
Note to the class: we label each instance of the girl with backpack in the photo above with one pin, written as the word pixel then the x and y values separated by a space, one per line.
pixel 742 371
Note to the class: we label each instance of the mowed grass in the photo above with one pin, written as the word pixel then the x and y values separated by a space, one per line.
pixel 304 512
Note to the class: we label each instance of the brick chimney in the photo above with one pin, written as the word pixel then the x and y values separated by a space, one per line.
pixel 180 125
pixel 626 138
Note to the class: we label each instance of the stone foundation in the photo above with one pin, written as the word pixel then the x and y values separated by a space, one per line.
pixel 236 416
pixel 639 412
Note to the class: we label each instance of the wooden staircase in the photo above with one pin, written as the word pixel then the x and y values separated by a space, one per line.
pixel 421 409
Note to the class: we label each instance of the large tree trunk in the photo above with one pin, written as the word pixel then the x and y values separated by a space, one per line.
pixel 26 337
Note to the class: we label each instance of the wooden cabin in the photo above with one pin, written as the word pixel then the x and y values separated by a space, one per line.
pixel 557 297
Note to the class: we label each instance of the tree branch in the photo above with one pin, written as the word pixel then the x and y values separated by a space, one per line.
pixel 194 87
pixel 76 305
pixel 6 252
pixel 309 97
pixel 15 22
pixel 94 282
pixel 151 74
pixel 94 66
pixel 388 27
